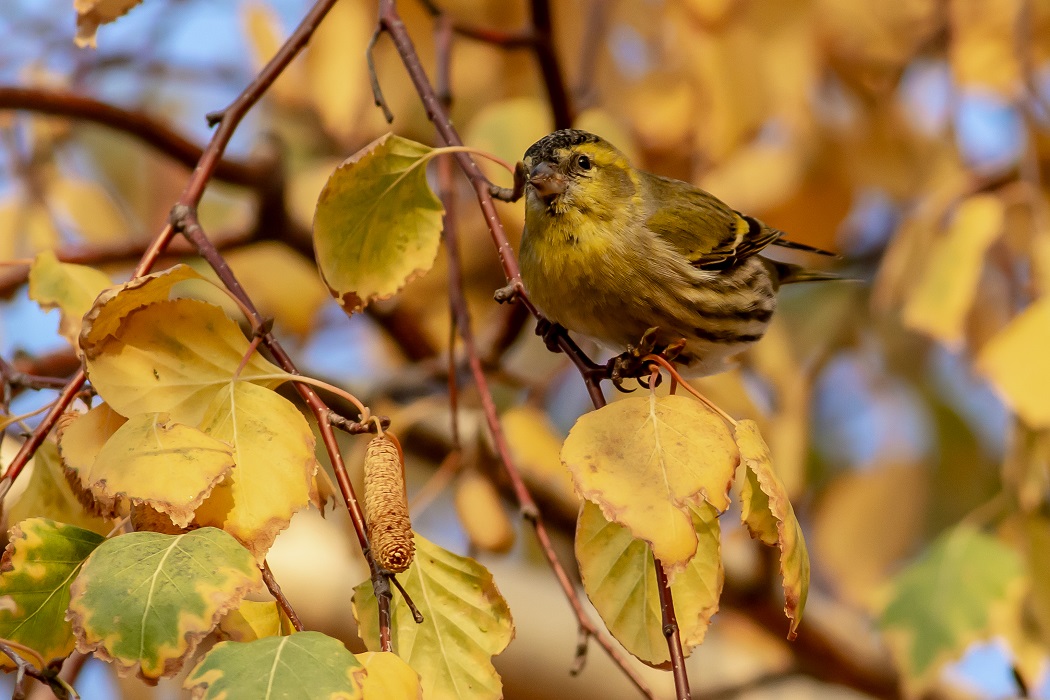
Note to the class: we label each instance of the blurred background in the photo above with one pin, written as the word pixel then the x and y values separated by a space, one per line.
pixel 911 137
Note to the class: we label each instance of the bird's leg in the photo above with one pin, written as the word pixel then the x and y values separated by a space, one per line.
pixel 550 332
pixel 629 364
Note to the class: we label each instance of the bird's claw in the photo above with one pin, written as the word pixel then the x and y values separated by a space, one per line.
pixel 550 332
pixel 631 365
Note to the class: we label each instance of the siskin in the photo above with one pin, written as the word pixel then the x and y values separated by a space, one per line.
pixel 613 252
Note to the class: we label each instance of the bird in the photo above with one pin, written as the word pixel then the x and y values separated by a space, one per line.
pixel 636 260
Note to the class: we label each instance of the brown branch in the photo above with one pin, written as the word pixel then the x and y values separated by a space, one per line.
pixel 282 600
pixel 671 632
pixel 150 131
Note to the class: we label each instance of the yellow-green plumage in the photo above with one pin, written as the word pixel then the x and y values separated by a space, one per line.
pixel 610 251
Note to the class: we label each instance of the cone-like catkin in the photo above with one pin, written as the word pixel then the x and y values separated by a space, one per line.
pixel 386 506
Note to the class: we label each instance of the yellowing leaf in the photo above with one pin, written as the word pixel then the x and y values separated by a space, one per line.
pixel 378 224
pixel 389 678
pixel 283 284
pixel 984 44
pixel 252 620
pixel 480 511
pixel 145 600
pixel 620 579
pixel 645 461
pixel 155 461
pixel 175 357
pixel 113 305
pixel 1015 363
pixel 941 300
pixel 273 448
pixel 302 665
pixel 536 449
pixel 80 441
pixel 948 599
pixel 92 13
pixel 39 563
pixel 48 494
pixel 767 512
pixel 465 623
pixel 89 209
pixel 335 72
pixel 265 36
pixel 69 288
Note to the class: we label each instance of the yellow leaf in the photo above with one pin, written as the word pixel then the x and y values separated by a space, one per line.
pixel 252 620
pixel 645 461
pixel 25 229
pixel 481 513
pixel 335 70
pixel 155 461
pixel 984 44
pixel 263 30
pixel 92 13
pixel 536 450
pixel 768 514
pixel 69 288
pixel 757 176
pixel 174 357
pixel 111 307
pixel 1026 466
pixel 273 448
pixel 82 439
pixel 620 579
pixel 662 110
pixel 304 187
pixel 941 300
pixel 281 282
pixel 378 224
pixel 1015 363
pixel 389 678
pixel 89 209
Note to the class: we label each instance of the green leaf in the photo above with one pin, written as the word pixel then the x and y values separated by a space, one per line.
pixel 948 599
pixel 646 461
pixel 619 577
pixel 175 357
pixel 465 623
pixel 769 516
pixel 38 566
pixel 305 665
pixel 377 224
pixel 69 288
pixel 144 600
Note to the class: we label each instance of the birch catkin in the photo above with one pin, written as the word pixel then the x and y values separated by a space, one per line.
pixel 386 506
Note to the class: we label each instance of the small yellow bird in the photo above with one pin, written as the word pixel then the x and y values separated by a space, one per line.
pixel 611 252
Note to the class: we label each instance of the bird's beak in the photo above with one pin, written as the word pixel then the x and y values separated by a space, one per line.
pixel 548 182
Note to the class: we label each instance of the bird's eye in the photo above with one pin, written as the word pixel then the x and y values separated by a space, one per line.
pixel 583 163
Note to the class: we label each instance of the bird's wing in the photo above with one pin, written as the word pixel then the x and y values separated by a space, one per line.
pixel 705 230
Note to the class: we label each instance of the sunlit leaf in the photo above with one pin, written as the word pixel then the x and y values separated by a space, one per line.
pixel 92 13
pixel 481 513
pixel 465 623
pixel 69 288
pixel 38 566
pixel 336 78
pixel 984 44
pixel 378 224
pixel 645 461
pixel 90 210
pixel 942 298
pixel 273 448
pixel 1015 363
pixel 389 678
pixel 114 305
pixel 152 460
pixel 251 620
pixel 80 440
pixel 767 512
pixel 263 31
pixel 947 599
pixel 536 449
pixel 173 356
pixel 145 600
pixel 620 579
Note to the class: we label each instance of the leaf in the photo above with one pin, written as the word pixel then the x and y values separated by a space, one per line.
pixel 253 620
pixel 620 579
pixel 145 600
pixel 465 623
pixel 1015 363
pixel 273 448
pixel 175 357
pixel 40 561
pixel 984 46
pixel 155 461
pixel 92 13
pixel 645 461
pixel 90 210
pixel 80 440
pixel 536 449
pixel 113 306
pixel 941 300
pixel 48 494
pixel 481 513
pixel 264 34
pixel 335 74
pixel 948 599
pixel 767 512
pixel 377 224
pixel 69 288
pixel 307 665
pixel 389 678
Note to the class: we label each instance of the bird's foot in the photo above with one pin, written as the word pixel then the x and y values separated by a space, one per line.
pixel 632 365
pixel 550 332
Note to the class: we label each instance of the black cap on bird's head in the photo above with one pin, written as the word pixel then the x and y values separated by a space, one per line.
pixel 543 150
pixel 546 175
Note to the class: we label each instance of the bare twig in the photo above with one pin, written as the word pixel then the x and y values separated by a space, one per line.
pixel 670 629
pixel 282 601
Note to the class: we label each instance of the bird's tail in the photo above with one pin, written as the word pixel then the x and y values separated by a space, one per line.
pixel 785 243
pixel 789 274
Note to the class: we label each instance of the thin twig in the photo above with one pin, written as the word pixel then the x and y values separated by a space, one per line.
pixel 670 629
pixel 416 615
pixel 282 601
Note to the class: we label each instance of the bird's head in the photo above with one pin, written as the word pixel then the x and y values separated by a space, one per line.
pixel 572 170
